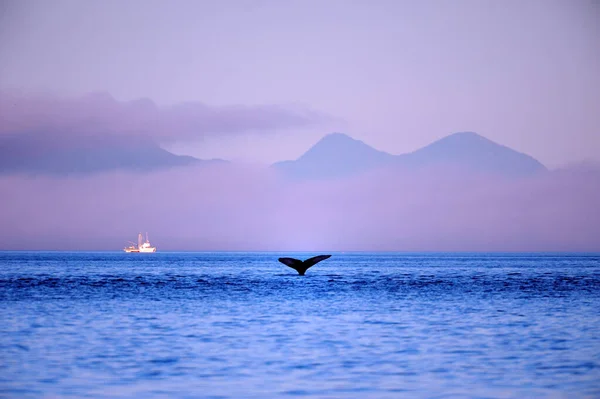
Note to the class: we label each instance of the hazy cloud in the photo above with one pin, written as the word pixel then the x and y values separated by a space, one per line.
pixel 232 207
pixel 100 113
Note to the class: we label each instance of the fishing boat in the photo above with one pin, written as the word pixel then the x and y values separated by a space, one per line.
pixel 141 246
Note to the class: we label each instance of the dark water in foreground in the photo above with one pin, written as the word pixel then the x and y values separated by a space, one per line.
pixel 240 325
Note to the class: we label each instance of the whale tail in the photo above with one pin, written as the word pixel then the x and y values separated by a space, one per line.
pixel 302 266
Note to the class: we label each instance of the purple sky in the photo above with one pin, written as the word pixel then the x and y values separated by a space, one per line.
pixel 396 74
pixel 262 81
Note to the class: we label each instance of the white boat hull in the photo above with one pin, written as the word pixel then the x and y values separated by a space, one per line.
pixel 142 247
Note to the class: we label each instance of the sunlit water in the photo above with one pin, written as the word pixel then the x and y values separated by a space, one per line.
pixel 241 325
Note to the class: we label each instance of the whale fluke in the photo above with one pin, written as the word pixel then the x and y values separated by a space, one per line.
pixel 302 266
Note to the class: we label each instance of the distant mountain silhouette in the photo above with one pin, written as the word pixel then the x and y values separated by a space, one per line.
pixel 61 155
pixel 335 155
pixel 338 155
pixel 473 152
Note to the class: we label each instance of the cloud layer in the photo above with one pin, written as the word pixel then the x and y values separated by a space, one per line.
pixel 99 113
pixel 227 207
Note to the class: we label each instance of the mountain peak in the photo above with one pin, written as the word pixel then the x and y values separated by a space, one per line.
pixel 465 137
pixel 339 142
pixel 341 148
pixel 335 155
pixel 464 142
pixel 476 152
pixel 339 155
pixel 336 136
pixel 466 134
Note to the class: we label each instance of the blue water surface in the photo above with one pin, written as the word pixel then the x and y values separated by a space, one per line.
pixel 242 325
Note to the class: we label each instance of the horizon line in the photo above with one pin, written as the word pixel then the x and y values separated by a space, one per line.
pixel 595 252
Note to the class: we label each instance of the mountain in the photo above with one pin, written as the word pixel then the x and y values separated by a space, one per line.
pixel 338 155
pixel 335 155
pixel 60 155
pixel 473 152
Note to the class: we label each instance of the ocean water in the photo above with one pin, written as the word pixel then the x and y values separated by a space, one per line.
pixel 242 325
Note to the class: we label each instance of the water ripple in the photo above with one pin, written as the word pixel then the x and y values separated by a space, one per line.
pixel 235 325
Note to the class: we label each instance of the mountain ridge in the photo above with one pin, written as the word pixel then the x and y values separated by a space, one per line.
pixel 41 154
pixel 339 155
pixel 335 155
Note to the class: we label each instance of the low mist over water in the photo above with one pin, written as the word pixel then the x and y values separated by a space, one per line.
pixel 248 208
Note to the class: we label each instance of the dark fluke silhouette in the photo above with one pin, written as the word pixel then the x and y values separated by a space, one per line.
pixel 302 266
